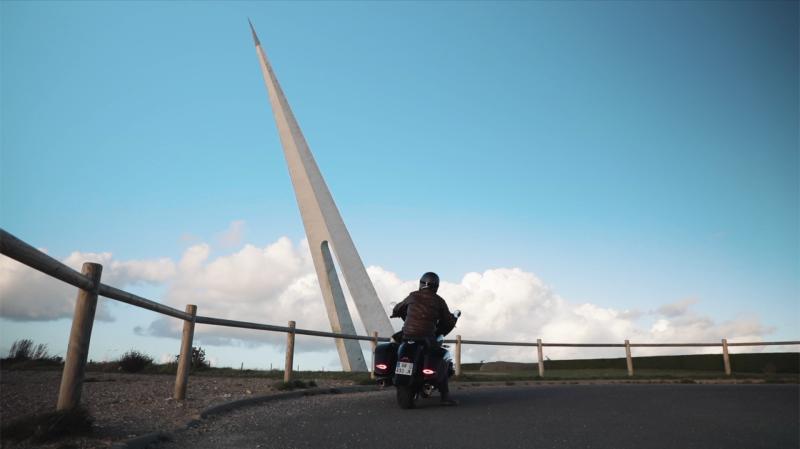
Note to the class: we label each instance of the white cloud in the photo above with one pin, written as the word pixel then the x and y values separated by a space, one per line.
pixel 272 284
pixel 277 283
pixel 28 295
pixel 677 308
pixel 514 305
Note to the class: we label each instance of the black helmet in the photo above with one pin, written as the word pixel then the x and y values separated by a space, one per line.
pixel 430 281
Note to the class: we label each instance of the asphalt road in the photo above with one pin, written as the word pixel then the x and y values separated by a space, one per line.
pixel 562 416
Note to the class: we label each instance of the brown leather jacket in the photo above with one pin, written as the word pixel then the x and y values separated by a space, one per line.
pixel 425 314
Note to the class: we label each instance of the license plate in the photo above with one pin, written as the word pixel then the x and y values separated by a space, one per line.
pixel 404 368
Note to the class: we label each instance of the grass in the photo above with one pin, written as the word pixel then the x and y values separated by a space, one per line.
pixel 470 374
pixel 616 374
pixel 767 363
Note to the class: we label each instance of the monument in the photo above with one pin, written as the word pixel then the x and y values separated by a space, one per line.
pixel 326 231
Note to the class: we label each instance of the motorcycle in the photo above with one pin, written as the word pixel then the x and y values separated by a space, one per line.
pixel 416 367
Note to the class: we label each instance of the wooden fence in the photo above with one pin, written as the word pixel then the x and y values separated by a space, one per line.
pixel 90 287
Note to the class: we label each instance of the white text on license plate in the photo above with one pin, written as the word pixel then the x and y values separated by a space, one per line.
pixel 404 368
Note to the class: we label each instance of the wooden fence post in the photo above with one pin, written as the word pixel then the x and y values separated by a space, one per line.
pixel 287 371
pixel 374 343
pixel 69 394
pixel 458 355
pixel 726 359
pixel 185 359
pixel 541 356
pixel 628 357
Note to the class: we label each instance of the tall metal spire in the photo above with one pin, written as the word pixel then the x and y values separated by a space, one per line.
pixel 255 36
pixel 325 230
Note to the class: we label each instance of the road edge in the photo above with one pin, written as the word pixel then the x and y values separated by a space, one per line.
pixel 143 441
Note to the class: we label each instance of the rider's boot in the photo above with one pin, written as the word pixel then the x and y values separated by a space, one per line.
pixel 446 399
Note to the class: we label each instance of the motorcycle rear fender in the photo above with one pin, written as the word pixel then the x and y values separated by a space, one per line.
pixel 409 351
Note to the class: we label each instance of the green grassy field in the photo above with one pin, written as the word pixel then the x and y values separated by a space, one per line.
pixel 753 363
pixel 784 366
pixel 612 374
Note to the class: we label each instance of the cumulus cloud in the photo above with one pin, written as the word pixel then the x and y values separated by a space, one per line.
pixel 28 295
pixel 272 284
pixel 275 283
pixel 676 309
pixel 509 304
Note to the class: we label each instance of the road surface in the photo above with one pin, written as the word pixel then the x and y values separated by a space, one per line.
pixel 562 416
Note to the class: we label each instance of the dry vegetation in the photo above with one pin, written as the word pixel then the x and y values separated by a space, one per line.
pixel 125 405
pixel 123 399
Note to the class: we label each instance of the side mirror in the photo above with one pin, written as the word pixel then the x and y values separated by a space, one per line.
pixel 457 313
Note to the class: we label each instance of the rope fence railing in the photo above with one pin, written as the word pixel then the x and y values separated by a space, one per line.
pixel 89 288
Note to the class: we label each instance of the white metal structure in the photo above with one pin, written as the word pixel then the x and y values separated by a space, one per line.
pixel 326 232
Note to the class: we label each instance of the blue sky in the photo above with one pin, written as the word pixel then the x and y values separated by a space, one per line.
pixel 630 154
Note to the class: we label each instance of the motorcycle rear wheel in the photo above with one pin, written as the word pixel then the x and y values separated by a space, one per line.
pixel 406 397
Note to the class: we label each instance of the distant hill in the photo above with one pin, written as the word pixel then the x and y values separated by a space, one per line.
pixel 769 362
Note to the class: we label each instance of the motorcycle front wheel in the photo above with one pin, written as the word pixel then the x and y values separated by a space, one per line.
pixel 406 397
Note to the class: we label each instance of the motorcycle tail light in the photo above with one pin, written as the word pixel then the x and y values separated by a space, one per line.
pixel 428 372
pixel 381 366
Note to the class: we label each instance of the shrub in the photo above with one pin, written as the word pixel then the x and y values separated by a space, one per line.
pixel 40 352
pixel 134 361
pixel 199 358
pixel 198 361
pixel 25 350
pixel 21 350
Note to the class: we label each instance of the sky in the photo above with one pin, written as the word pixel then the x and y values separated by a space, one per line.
pixel 574 171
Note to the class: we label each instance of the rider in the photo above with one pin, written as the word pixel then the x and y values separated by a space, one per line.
pixel 425 315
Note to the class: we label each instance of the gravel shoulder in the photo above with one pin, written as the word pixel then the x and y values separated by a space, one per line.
pixel 126 405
